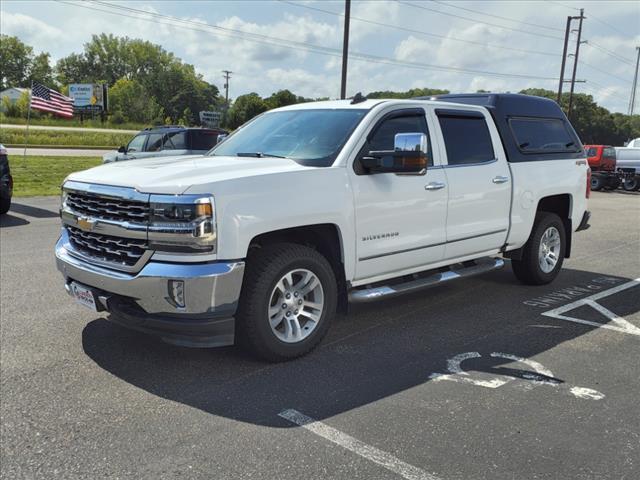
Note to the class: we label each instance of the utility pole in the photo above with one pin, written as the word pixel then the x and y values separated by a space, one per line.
pixel 634 87
pixel 575 63
pixel 227 76
pixel 564 57
pixel 345 49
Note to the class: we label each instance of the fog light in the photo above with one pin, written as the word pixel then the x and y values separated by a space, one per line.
pixel 176 292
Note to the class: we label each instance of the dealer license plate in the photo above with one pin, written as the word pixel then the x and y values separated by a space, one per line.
pixel 84 296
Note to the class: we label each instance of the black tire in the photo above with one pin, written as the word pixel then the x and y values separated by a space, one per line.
pixel 5 205
pixel 528 269
pixel 631 184
pixel 264 268
pixel 597 182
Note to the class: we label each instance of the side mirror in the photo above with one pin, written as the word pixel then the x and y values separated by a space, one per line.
pixel 408 156
pixel 221 137
pixel 122 149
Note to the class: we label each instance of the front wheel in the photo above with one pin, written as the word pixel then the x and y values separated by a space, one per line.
pixel 543 254
pixel 289 297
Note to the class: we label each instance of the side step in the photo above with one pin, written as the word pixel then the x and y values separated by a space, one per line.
pixel 468 269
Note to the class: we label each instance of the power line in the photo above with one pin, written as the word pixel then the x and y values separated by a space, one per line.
pixel 582 62
pixel 608 25
pixel 563 5
pixel 498 16
pixel 610 53
pixel 419 32
pixel 473 20
pixel 287 43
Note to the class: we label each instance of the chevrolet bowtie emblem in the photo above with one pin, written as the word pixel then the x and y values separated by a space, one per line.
pixel 86 224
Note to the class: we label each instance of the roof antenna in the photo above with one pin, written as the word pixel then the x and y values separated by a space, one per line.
pixel 358 98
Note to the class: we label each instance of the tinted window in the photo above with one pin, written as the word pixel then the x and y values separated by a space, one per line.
pixel 384 135
pixel 467 139
pixel 542 135
pixel 591 151
pixel 203 139
pixel 137 144
pixel 310 137
pixel 175 141
pixel 609 153
pixel 154 144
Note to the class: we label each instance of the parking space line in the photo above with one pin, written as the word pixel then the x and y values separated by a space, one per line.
pixel 354 445
pixel 617 323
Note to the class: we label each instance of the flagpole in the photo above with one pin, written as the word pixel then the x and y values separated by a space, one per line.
pixel 26 135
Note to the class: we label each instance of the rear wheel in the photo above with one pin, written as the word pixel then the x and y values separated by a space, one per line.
pixel 631 184
pixel 597 182
pixel 288 300
pixel 543 254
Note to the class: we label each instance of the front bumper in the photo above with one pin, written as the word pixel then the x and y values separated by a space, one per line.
pixel 143 301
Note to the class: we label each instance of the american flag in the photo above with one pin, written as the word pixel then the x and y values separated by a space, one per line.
pixel 47 100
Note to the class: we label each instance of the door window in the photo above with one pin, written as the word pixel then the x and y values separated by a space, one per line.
pixel 175 141
pixel 384 134
pixel 154 144
pixel 466 139
pixel 137 144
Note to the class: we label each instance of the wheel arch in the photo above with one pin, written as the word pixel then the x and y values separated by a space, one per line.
pixel 326 238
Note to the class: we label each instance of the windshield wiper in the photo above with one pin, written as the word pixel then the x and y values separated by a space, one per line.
pixel 258 155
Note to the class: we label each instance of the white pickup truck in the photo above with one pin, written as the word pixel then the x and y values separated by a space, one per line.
pixel 310 206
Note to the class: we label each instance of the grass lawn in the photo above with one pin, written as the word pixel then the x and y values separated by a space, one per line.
pixel 9 136
pixel 74 122
pixel 36 175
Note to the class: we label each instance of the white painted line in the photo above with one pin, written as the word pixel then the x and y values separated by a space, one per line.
pixel 354 445
pixel 587 393
pixel 617 323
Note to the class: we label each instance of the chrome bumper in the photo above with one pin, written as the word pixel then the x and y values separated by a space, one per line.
pixel 209 288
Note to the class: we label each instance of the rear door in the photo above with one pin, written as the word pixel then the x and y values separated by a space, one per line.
pixel 203 140
pixel 479 182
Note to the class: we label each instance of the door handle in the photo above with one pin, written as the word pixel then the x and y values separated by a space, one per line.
pixel 434 186
pixel 500 179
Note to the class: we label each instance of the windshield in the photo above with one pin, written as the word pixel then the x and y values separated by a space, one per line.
pixel 310 137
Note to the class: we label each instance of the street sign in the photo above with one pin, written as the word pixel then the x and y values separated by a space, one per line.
pixel 210 119
pixel 88 96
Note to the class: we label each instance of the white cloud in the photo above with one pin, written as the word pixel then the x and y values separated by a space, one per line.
pixel 31 30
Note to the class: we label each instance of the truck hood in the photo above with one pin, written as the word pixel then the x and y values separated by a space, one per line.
pixel 174 175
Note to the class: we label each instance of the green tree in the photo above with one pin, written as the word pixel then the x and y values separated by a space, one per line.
pixel 129 101
pixel 19 66
pixel 282 98
pixel 244 108
pixel 414 92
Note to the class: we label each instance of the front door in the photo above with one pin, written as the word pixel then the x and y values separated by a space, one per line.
pixel 400 218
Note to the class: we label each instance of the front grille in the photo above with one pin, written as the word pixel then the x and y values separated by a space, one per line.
pixel 108 208
pixel 123 251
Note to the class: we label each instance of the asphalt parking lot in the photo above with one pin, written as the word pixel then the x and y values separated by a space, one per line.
pixel 480 379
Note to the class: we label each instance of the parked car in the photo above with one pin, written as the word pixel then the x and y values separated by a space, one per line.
pixel 167 140
pixel 309 206
pixel 6 181
pixel 628 164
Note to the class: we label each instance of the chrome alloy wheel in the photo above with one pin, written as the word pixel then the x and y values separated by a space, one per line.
pixel 296 305
pixel 549 250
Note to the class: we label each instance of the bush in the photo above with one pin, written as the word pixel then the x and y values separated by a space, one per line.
pixel 10 136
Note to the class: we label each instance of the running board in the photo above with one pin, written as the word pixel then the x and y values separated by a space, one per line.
pixel 363 295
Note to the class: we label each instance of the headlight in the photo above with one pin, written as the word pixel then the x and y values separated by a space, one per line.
pixel 182 223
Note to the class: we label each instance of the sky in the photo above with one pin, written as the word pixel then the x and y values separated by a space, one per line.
pixel 460 46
